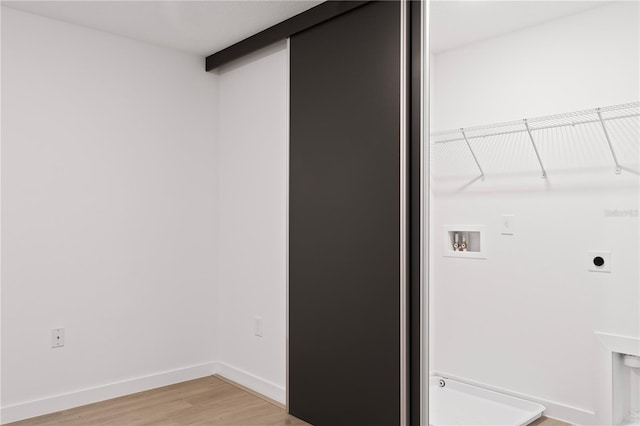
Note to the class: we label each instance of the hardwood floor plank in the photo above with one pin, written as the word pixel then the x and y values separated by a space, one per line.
pixel 206 401
pixel 545 421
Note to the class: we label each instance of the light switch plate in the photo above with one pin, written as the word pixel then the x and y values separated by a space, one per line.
pixel 257 326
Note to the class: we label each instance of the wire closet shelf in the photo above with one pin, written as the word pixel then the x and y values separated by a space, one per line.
pixel 603 118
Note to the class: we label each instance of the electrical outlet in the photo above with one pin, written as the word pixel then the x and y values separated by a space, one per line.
pixel 599 261
pixel 508 224
pixel 257 326
pixel 57 337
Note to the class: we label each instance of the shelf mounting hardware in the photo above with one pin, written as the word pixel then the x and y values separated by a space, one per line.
pixel 606 135
pixel 533 143
pixel 472 153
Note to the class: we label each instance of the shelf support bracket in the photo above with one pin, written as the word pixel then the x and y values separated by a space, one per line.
pixel 533 143
pixel 472 153
pixel 606 135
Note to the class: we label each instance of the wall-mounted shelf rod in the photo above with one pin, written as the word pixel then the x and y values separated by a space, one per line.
pixel 616 122
pixel 555 126
pixel 606 135
pixel 533 143
pixel 582 117
pixel 472 153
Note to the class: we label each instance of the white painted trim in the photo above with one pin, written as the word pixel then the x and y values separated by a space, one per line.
pixel 255 383
pixel 555 410
pixel 65 401
pixel 608 408
pixel 621 344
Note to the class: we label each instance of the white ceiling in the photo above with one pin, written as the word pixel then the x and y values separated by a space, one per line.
pixel 200 27
pixel 458 23
pixel 207 26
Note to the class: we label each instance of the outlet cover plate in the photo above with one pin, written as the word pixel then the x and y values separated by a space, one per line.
pixel 57 337
pixel 508 224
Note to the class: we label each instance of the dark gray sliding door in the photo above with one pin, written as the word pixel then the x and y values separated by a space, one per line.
pixel 344 284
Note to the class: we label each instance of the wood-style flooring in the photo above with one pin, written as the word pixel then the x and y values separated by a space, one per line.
pixel 544 421
pixel 207 401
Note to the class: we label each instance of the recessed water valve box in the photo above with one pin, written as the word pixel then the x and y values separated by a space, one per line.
pixel 465 241
pixel 599 261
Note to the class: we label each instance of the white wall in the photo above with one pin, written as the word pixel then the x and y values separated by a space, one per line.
pixel 523 320
pixel 109 215
pixel 568 64
pixel 253 170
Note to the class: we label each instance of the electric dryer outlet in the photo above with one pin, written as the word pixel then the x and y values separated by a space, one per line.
pixel 599 261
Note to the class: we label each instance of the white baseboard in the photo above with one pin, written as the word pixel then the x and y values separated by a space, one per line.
pixel 52 404
pixel 255 383
pixel 555 410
